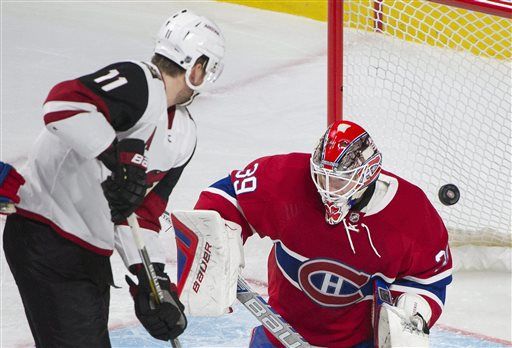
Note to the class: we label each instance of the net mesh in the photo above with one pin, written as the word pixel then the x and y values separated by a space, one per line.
pixel 432 84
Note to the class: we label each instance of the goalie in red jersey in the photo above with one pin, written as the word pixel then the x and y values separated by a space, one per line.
pixel 350 240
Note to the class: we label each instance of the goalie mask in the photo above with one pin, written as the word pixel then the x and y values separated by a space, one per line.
pixel 344 164
pixel 185 37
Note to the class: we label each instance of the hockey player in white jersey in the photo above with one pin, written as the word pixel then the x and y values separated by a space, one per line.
pixel 116 142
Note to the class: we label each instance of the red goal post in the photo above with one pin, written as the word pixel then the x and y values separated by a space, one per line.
pixel 431 81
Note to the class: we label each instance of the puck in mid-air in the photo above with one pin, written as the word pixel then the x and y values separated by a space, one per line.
pixel 449 194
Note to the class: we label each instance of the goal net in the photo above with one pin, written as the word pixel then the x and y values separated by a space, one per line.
pixel 431 82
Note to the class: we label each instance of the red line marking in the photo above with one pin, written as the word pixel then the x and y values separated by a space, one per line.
pixel 124 325
pixel 472 334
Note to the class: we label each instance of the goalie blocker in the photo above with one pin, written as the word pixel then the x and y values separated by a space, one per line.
pixel 210 259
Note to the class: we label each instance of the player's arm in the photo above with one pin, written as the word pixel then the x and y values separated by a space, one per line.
pixel 419 292
pixel 156 321
pixel 10 183
pixel 427 267
pixel 148 216
pixel 222 197
pixel 418 303
pixel 214 231
pixel 88 112
pixel 85 113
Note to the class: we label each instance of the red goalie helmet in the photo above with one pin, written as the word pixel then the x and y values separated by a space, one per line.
pixel 344 164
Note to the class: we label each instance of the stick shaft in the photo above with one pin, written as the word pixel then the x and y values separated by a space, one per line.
pixel 274 323
pixel 148 266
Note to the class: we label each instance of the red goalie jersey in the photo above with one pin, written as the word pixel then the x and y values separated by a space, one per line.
pixel 320 275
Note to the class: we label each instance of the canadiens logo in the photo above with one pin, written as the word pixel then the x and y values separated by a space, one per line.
pixel 330 283
pixel 327 282
pixel 373 168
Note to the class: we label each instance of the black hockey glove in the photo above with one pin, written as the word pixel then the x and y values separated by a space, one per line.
pixel 126 187
pixel 163 321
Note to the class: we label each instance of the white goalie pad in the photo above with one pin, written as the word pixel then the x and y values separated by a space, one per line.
pixel 210 259
pixel 401 326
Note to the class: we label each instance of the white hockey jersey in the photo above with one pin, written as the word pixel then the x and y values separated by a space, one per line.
pixel 83 117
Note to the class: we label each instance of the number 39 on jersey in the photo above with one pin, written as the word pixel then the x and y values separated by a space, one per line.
pixel 245 180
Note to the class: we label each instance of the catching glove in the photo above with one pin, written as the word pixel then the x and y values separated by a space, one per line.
pixel 403 325
pixel 165 320
pixel 126 188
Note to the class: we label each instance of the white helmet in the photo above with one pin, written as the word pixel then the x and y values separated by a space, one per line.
pixel 184 37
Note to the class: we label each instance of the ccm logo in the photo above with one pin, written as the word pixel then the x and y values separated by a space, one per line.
pixel 202 267
pixel 140 160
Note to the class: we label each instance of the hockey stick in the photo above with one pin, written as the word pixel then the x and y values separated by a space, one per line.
pixel 148 267
pixel 266 315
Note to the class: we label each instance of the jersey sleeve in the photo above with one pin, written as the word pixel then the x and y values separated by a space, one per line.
pixel 156 200
pixel 221 197
pixel 86 112
pixel 427 267
pixel 244 197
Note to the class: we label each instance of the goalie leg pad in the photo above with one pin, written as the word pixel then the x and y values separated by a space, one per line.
pixel 210 259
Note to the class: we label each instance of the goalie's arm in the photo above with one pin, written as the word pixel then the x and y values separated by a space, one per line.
pixel 431 290
pixel 222 198
pixel 426 267
pixel 415 305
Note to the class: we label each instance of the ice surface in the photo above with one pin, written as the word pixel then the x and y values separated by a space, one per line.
pixel 270 99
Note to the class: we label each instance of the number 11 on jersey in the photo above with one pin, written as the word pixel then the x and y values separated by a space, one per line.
pixel 111 85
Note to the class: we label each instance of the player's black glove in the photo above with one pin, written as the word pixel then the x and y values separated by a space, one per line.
pixel 163 321
pixel 126 187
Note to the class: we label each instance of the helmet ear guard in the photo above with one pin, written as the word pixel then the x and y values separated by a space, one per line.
pixel 185 37
pixel 212 73
pixel 347 157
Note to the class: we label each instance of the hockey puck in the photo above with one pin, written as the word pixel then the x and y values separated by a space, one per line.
pixel 449 194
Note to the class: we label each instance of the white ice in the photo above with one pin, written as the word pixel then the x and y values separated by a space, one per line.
pixel 270 99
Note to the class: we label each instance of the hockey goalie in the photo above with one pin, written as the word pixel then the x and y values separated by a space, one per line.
pixel 360 255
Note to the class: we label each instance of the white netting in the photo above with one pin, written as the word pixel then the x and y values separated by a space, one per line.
pixel 433 87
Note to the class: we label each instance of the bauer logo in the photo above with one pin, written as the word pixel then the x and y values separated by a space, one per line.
pixel 203 266
pixel 330 283
pixel 139 160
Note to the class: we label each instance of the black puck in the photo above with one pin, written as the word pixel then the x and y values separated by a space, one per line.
pixel 449 194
